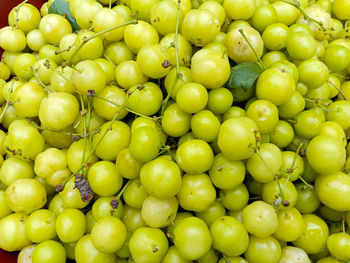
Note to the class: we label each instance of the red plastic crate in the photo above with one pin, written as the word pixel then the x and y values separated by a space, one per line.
pixel 5 8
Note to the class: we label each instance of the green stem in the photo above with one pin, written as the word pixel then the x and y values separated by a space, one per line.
pixel 178 74
pixel 122 107
pixel 84 129
pixel 61 74
pixel 343 223
pixel 252 48
pixel 296 4
pixel 106 57
pixel 306 183
pixel 274 176
pixel 87 39
pixel 122 191
pixel 291 169
pixel 226 258
pixel 339 90
pixel 94 148
pixel 40 82
pixel 17 13
pixel 8 102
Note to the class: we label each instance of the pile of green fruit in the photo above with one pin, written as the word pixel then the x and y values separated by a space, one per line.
pixel 176 131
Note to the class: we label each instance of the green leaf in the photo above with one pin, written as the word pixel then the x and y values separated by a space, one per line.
pixel 244 75
pixel 61 7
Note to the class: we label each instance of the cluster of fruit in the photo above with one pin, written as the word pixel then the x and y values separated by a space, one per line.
pixel 176 131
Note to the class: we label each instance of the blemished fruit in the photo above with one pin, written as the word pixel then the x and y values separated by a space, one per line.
pixel 170 131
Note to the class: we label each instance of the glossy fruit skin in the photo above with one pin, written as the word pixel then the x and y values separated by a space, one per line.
pixel 225 173
pixel 331 189
pixel 301 45
pixel 239 9
pixel 264 114
pixel 25 195
pixel 338 245
pixel 161 178
pixel 146 98
pixel 325 154
pixel 313 73
pixel 104 178
pixel 148 245
pixel 70 225
pixel 271 193
pixel 210 68
pixel 40 225
pixel 238 49
pixel 290 225
pixel 192 238
pixel 145 143
pixel 200 26
pixel 135 193
pixel 13 237
pixel 13 169
pixel 49 251
pixel 194 156
pixel 275 85
pixel 266 249
pixel 85 252
pixel 54 27
pixel 176 122
pixel 150 59
pixel 270 155
pixel 289 254
pixel 315 235
pixel 229 236
pixel 196 193
pixel 236 138
pixel 88 76
pixel 173 255
pixel 58 110
pixel 338 112
pixel 113 237
pixel 341 8
pixel 258 213
pixel 117 137
pixel 308 200
pixel 215 210
pixel 192 97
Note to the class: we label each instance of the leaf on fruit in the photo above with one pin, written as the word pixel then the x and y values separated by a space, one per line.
pixel 244 75
pixel 61 7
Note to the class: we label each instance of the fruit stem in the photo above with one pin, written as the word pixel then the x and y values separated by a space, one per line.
pixel 110 4
pixel 290 170
pixel 40 82
pixel 339 90
pixel 252 48
pixel 8 102
pixel 17 12
pixel 274 176
pixel 317 103
pixel 122 191
pixel 59 73
pixel 84 130
pixel 306 183
pixel 87 39
pixel 106 57
pixel 178 74
pixel 94 148
pixel 343 223
pixel 226 258
pixel 296 4
pixel 122 107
